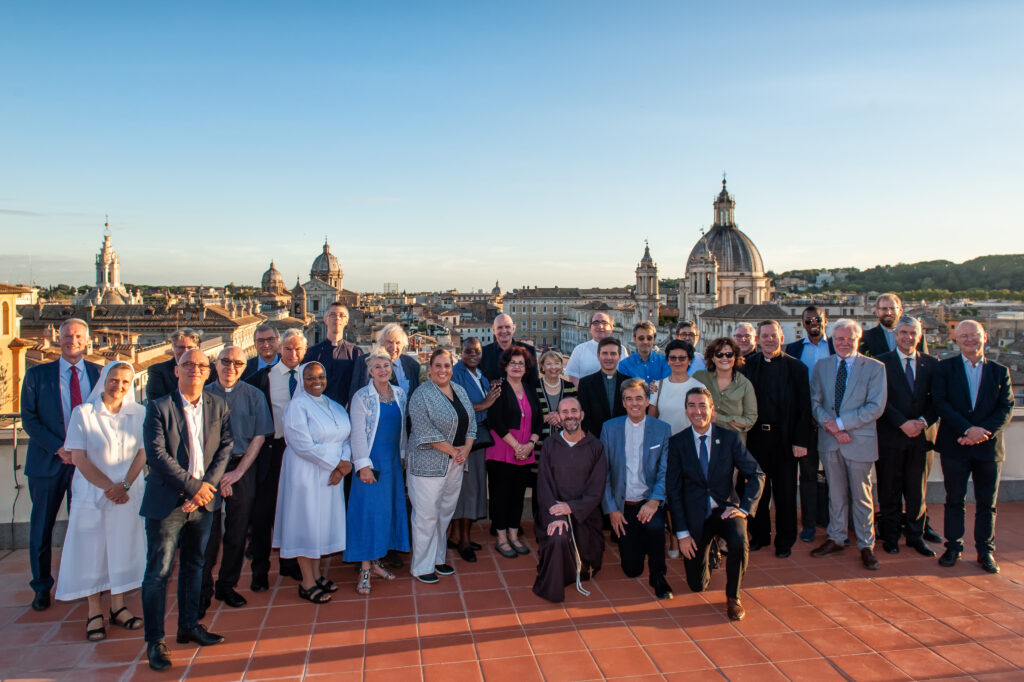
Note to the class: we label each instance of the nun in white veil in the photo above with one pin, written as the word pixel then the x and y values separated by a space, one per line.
pixel 310 520
pixel 105 547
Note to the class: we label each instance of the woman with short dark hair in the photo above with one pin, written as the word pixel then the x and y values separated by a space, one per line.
pixel 735 402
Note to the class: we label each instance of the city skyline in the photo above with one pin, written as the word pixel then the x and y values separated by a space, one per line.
pixel 414 137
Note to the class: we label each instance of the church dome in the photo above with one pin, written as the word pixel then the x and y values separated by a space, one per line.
pixel 733 250
pixel 326 266
pixel 111 297
pixel 273 282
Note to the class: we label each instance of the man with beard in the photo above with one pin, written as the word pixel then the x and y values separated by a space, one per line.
pixel 744 335
pixel 504 329
pixel 882 338
pixel 570 484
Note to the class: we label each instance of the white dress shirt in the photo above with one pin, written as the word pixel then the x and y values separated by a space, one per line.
pixel 583 360
pixel 65 369
pixel 194 426
pixel 279 395
pixel 636 489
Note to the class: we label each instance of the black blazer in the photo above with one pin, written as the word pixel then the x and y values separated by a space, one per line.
pixel 339 370
pixel 792 394
pixel 595 404
pixel 993 411
pixel 873 343
pixel 796 349
pixel 42 416
pixel 162 381
pixel 687 490
pixel 492 354
pixel 169 484
pixel 505 414
pixel 261 380
pixel 253 365
pixel 902 406
pixel 361 375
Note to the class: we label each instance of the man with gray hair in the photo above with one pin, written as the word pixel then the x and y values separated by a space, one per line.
pixel 745 337
pixel 266 339
pixel 847 398
pixel 904 450
pixel 48 395
pixel 162 380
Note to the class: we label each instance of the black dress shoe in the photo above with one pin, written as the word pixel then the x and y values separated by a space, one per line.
pixel 199 635
pixel 259 583
pixel 468 554
pixel 662 590
pixel 949 558
pixel 930 535
pixel 231 598
pixel 891 547
pixel 394 559
pixel 293 573
pixel 475 546
pixel 159 656
pixel 783 552
pixel 922 548
pixel 41 601
pixel 755 546
pixel 988 562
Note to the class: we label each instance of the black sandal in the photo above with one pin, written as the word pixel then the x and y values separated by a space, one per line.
pixel 133 623
pixel 326 585
pixel 95 634
pixel 315 594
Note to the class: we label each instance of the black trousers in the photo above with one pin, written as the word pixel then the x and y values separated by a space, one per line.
pixel 956 470
pixel 47 493
pixel 775 457
pixel 643 540
pixel 506 485
pixel 228 533
pixel 264 509
pixel 901 479
pixel 734 532
pixel 809 484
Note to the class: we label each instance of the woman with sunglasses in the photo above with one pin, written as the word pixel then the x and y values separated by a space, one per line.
pixel 735 402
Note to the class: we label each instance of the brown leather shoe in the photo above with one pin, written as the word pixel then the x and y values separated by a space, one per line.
pixel 828 548
pixel 867 557
pixel 735 609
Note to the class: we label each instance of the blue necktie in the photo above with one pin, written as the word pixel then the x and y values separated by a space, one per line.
pixel 840 384
pixel 910 375
pixel 704 458
pixel 292 383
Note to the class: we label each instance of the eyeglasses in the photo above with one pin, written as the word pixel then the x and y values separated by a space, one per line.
pixel 678 358
pixel 687 335
pixel 193 366
pixel 808 320
pixel 232 363
pixel 516 364
pixel 600 323
pixel 644 338
pixel 726 354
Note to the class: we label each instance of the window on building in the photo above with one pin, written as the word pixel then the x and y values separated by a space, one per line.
pixel 316 305
pixel 543 324
pixel 7 318
pixel 742 300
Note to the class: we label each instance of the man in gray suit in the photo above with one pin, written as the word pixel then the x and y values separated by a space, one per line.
pixel 848 394
pixel 634 496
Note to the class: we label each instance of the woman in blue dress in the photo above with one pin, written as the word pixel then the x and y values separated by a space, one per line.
pixel 376 518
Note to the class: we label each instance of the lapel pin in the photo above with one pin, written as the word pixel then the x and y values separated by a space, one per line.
pixel 718 442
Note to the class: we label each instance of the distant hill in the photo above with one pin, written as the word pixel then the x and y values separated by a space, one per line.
pixel 987 276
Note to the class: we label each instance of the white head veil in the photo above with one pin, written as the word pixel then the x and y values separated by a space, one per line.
pixel 300 389
pixel 96 394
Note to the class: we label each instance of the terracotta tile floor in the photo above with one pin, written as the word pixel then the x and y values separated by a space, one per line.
pixel 815 619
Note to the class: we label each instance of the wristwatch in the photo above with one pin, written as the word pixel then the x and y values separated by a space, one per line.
pixel 126 485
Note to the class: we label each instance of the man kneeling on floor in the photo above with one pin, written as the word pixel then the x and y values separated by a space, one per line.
pixel 702 461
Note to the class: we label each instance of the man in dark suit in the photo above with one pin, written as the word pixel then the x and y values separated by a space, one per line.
pixel 974 400
pixel 162 379
pixel 337 355
pixel 634 493
pixel 813 347
pixel 267 341
pixel 405 370
pixel 504 329
pixel 48 395
pixel 903 445
pixel 882 337
pixel 188 445
pixel 702 461
pixel 278 383
pixel 779 438
pixel 600 393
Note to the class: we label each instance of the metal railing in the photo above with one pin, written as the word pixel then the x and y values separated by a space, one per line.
pixel 10 420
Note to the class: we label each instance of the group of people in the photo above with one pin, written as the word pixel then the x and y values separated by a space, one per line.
pixel 327 449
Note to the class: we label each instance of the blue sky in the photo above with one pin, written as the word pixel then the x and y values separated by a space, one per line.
pixel 449 144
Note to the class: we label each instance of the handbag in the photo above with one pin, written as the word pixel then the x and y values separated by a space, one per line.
pixel 484 439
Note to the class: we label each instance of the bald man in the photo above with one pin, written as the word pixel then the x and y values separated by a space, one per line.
pixel 504 328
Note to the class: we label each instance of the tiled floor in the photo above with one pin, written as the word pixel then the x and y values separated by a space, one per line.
pixel 817 619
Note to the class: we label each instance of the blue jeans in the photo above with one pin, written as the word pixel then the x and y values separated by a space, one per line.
pixel 162 538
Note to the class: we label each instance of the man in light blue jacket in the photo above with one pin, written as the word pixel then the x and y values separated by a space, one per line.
pixel 634 498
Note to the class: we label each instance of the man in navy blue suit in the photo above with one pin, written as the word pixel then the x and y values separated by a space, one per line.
pixel 337 355
pixel 188 445
pixel 974 400
pixel 702 462
pixel 267 341
pixel 48 395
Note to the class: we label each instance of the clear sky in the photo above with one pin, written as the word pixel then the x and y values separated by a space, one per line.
pixel 450 144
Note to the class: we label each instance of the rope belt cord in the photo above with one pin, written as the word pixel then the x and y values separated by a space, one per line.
pixel 579 561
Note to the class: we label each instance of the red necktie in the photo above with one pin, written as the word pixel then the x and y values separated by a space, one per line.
pixel 75 389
